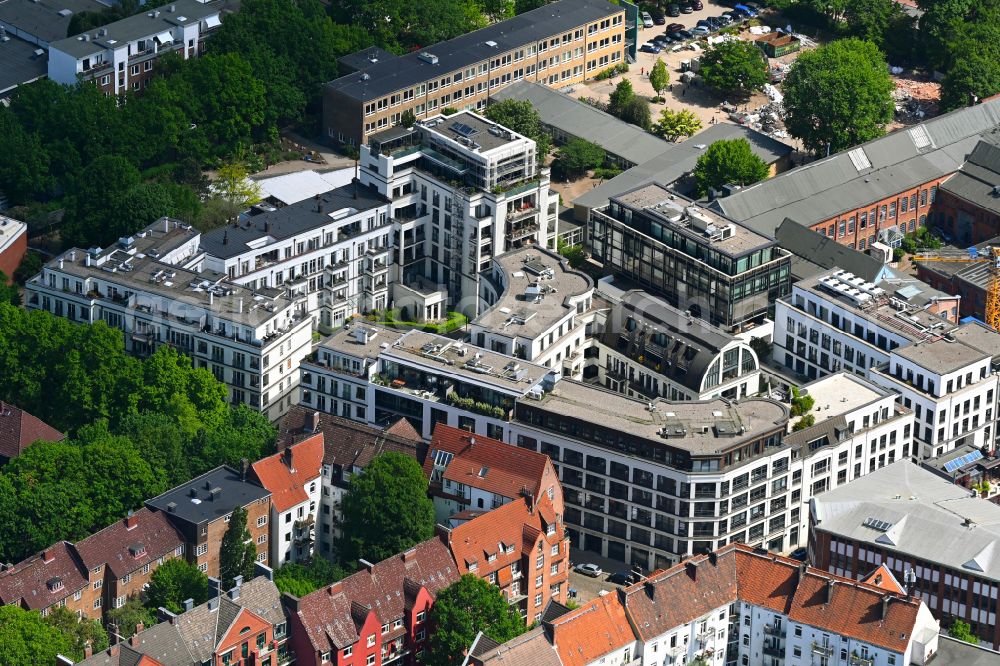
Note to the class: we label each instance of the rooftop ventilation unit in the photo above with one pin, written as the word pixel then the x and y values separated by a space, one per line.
pixel 429 58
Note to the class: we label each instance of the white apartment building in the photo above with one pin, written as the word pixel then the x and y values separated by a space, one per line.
pixel 649 483
pixel 534 307
pixel 376 376
pixel 837 321
pixel 121 56
pixel 155 289
pixel 294 477
pixel 644 347
pixel 463 190
pixel 951 388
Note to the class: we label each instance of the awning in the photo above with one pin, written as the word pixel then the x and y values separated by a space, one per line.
pixel 213 21
pixel 164 38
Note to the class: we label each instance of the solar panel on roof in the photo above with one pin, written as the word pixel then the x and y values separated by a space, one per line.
pixel 463 129
pixel 921 139
pixel 962 461
pixel 876 524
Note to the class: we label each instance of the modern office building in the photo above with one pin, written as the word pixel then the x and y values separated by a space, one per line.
pixel 122 56
pixel 156 288
pixel 837 320
pixel 558 44
pixel 919 526
pixel 699 261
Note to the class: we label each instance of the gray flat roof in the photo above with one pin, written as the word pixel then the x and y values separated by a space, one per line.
pixel 941 356
pixel 825 252
pixel 19 64
pixel 139 26
pixel 472 126
pixel 663 205
pixel 975 181
pixel 925 514
pixel 979 336
pixel 195 501
pixel 699 420
pixel 953 652
pixel 678 159
pixel 289 221
pixel 45 20
pixel 825 188
pixel 517 313
pixel 346 341
pixel 388 76
pixel 444 355
pixel 584 121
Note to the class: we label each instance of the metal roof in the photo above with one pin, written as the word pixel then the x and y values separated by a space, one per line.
pixel 826 253
pixel 579 119
pixel 19 64
pixel 677 159
pixel 43 21
pixel 825 188
pixel 386 76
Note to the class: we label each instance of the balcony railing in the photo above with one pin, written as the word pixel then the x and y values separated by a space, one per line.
pixel 822 649
pixel 858 660
pixel 774 630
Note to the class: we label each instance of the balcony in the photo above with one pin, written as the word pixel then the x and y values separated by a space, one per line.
pixel 521 213
pixel 858 660
pixel 775 630
pixel 520 232
pixel 822 649
pixel 773 649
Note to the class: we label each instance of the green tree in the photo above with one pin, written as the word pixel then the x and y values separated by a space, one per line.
pixel 575 254
pixel 127 618
pixel 961 630
pixel 8 291
pixel 301 579
pixel 976 68
pixel 408 24
pixel 659 77
pixel 730 161
pixel 408 119
pixel 838 96
pixel 870 19
pixel 620 97
pixel 24 163
pixel 174 582
pixel 237 554
pixel 29 267
pixel 636 111
pixel 576 157
pixel 521 116
pixel 735 68
pixel 461 611
pixel 521 6
pixel 497 10
pixel 386 510
pixel 801 403
pixel 27 640
pixel 234 184
pixel 80 632
pixel 97 198
pixel 675 124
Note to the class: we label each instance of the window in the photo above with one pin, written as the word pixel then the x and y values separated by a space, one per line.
pixel 421 616
pixel 261 521
pixel 371 640
pixel 202 549
pixel 348 651
pixel 538 600
pixel 370 661
pixel 325 658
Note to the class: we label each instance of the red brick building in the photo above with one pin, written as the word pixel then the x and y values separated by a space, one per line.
pixel 375 617
pixel 968 208
pixel 13 245
pixel 522 548
pixel 122 557
pixel 19 429
pixel 54 577
pixel 469 471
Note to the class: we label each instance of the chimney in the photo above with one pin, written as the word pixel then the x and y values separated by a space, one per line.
pixel 713 558
pixel 335 589
pixel 314 422
pixel 166 225
pixel 691 566
pixel 238 581
pixel 235 592
pixel 60 263
pixel 211 298
pixel 214 586
pixel 225 237
pixel 131 521
pixel 188 604
pixel 163 615
pixel 48 555
pixel 366 565
pixel 409 555
pixel 139 626
pixel 529 499
pixel 239 309
pixel 829 590
pixel 885 605
pixel 87 259
pixel 319 204
pixel 88 650
pixel 114 650
pixel 244 466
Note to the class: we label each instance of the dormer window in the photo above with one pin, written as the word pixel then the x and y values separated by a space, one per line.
pixel 137 550
pixel 54 584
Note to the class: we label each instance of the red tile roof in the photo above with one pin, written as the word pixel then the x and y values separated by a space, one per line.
pixel 884 579
pixel 18 429
pixel 347 443
pixel 125 549
pixel 591 631
pixel 486 463
pixel 512 524
pixel 287 474
pixel 387 588
pixel 29 582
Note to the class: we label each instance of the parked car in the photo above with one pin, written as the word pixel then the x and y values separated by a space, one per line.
pixel 647 20
pixel 686 9
pixel 686 34
pixel 622 578
pixel 707 25
pixel 674 27
pixel 650 47
pixel 591 570
pixel 677 36
pixel 662 41
pixel 658 17
pixel 746 9
pixel 700 31
pixel 724 20
pixel 800 554
pixel 673 10
pixel 696 5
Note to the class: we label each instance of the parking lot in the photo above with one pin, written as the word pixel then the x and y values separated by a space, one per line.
pixel 588 587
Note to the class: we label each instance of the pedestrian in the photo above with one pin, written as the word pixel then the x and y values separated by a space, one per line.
pixel 684 91
pixel 671 87
pixel 642 71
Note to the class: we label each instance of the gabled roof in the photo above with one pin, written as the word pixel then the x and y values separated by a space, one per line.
pixel 43 579
pixel 591 631
pixel 387 589
pixel 529 649
pixel 486 463
pixel 349 443
pixel 882 577
pixel 976 180
pixel 825 252
pixel 128 544
pixel 515 526
pixel 286 474
pixel 18 429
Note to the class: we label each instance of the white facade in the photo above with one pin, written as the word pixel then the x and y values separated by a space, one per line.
pixel 292 531
pixel 951 389
pixel 152 289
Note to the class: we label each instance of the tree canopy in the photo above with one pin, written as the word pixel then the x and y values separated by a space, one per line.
pixel 838 95
pixel 620 97
pixel 26 639
pixel 576 157
pixel 735 68
pixel 521 116
pixel 461 611
pixel 80 631
pixel 301 579
pixel 730 161
pixel 675 124
pixel 386 510
pixel 174 582
pixel 659 77
pixel 237 553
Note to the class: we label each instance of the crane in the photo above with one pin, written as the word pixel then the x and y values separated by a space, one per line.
pixel 990 256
